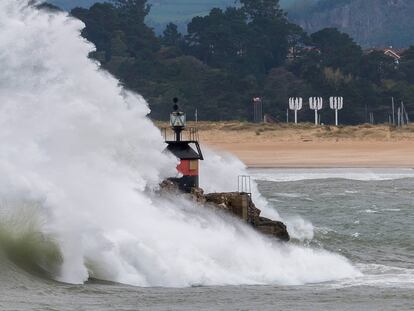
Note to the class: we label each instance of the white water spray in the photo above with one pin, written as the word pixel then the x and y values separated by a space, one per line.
pixel 79 147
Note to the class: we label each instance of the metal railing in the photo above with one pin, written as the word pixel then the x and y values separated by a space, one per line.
pixel 188 134
pixel 244 184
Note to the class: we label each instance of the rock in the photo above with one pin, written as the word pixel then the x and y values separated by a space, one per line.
pixel 197 195
pixel 169 186
pixel 237 203
pixel 274 228
pixel 369 22
pixel 242 206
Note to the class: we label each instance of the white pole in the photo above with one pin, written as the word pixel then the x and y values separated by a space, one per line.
pixel 295 104
pixel 287 115
pixel 406 116
pixel 316 117
pixel 393 112
pixel 403 113
pixel 336 117
pixel 398 116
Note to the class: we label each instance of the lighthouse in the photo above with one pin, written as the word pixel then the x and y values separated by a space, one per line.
pixel 184 145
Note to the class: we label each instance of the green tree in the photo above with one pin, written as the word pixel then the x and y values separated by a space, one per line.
pixel 407 65
pixel 338 50
pixel 218 39
pixel 233 55
pixel 141 39
pixel 279 85
pixel 234 39
pixel 376 66
pixel 257 9
pixel 171 36
pixel 101 20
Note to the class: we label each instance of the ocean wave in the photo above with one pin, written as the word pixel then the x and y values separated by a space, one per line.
pixel 24 244
pixel 380 276
pixel 80 153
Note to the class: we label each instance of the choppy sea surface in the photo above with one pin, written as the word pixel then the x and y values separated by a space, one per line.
pixel 366 215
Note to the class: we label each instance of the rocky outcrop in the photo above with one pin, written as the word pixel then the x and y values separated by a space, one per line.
pixel 372 23
pixel 242 206
pixel 238 204
pixel 273 228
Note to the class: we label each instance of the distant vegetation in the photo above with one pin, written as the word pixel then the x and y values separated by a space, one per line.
pixel 232 55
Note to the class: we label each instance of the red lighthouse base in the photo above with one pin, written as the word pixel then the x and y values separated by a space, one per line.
pixel 188 167
pixel 190 171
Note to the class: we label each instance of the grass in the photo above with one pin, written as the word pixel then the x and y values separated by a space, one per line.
pixel 358 132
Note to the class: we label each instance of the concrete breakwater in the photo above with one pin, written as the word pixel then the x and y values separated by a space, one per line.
pixel 238 204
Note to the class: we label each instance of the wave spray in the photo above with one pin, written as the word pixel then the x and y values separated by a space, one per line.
pixel 80 159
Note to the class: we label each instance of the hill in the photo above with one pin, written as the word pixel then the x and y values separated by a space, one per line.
pixel 169 9
pixel 162 11
pixel 165 11
pixel 232 56
pixel 372 23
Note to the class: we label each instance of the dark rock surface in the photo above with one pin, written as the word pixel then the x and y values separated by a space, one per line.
pixel 372 23
pixel 242 206
pixel 238 204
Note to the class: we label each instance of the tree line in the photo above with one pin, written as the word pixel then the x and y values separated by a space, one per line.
pixel 231 56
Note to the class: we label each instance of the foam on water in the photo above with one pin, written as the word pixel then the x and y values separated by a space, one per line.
pixel 80 149
pixel 381 276
pixel 361 174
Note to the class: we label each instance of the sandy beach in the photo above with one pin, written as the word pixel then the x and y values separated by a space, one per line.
pixel 304 145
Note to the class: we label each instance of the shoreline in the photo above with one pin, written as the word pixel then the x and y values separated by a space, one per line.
pixel 329 167
pixel 305 146
pixel 321 154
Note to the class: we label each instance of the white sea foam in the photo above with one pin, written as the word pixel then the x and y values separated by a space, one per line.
pixel 80 148
pixel 220 172
pixel 361 174
pixel 380 276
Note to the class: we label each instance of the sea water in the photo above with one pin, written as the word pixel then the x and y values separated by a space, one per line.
pixel 367 220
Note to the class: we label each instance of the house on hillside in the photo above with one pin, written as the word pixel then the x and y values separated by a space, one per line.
pixel 395 54
pixel 296 52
